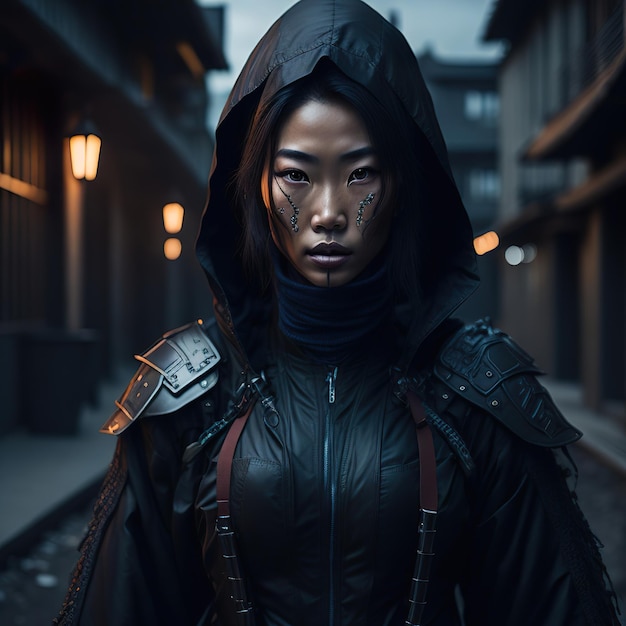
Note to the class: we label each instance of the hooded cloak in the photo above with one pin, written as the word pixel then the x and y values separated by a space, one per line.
pixel 373 53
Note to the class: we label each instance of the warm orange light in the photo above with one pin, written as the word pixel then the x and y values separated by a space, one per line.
pixel 84 156
pixel 486 243
pixel 190 57
pixel 173 214
pixel 172 248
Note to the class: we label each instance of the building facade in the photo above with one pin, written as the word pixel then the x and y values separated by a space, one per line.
pixel 563 164
pixel 466 99
pixel 84 282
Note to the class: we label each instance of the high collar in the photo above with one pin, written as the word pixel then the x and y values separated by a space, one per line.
pixel 330 323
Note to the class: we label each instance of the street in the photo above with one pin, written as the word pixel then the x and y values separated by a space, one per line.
pixel 33 586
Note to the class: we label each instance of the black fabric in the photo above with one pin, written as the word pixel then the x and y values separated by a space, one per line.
pixel 141 562
pixel 330 323
pixel 497 537
pixel 579 548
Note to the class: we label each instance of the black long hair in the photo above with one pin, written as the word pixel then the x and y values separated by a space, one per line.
pixel 396 144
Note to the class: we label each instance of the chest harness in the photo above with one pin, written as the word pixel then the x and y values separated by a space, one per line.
pixel 427 517
pixel 477 363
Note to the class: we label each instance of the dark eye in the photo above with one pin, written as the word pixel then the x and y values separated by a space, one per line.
pixel 359 174
pixel 293 176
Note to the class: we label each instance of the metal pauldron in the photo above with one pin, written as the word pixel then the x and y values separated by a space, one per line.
pixel 176 370
pixel 487 368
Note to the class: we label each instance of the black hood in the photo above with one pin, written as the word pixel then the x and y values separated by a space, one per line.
pixel 372 52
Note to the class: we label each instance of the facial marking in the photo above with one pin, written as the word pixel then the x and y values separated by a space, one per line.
pixel 367 200
pixel 323 176
pixel 296 211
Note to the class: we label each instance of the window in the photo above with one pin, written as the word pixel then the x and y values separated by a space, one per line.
pixel 484 184
pixel 482 105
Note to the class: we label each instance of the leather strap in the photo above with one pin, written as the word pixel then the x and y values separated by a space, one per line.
pixel 244 611
pixel 428 465
pixel 428 512
pixel 225 462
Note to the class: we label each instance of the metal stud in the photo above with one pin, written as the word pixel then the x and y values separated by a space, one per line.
pixel 445 396
pixel 495 403
pixel 488 373
pixel 462 388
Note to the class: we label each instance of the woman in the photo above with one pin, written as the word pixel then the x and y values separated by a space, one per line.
pixel 276 466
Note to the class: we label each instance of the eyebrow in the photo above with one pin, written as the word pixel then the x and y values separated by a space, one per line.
pixel 298 155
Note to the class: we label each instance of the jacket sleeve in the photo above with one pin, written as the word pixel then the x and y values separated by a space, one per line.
pixel 531 556
pixel 140 562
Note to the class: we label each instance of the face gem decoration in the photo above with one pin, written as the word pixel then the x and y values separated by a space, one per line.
pixel 296 211
pixel 326 173
pixel 367 200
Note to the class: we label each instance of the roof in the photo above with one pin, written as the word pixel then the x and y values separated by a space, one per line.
pixel 510 19
pixel 457 70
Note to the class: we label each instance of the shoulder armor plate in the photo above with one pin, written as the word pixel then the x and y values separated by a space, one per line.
pixel 491 371
pixel 177 369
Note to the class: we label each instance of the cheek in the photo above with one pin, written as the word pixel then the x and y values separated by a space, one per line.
pixel 275 211
pixel 281 234
pixel 379 230
pixel 275 219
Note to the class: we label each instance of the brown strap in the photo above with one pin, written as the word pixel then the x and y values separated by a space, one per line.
pixel 428 465
pixel 225 462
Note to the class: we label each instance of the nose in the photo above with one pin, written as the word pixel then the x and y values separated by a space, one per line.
pixel 329 213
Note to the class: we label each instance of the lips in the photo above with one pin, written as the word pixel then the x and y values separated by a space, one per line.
pixel 329 255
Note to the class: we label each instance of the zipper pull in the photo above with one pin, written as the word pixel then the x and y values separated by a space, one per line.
pixel 331 377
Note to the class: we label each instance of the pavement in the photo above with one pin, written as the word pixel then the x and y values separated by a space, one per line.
pixel 44 478
pixel 603 436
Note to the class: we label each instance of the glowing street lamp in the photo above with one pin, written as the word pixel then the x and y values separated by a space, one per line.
pixel 172 248
pixel 85 151
pixel 173 214
pixel 486 243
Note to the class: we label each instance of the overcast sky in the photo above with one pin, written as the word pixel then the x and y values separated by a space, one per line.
pixel 452 28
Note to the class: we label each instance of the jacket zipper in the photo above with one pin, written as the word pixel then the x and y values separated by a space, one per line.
pixel 331 489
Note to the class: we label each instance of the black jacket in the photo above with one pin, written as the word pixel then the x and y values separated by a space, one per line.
pixel 325 478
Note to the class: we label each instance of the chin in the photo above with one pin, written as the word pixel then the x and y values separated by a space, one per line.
pixel 322 279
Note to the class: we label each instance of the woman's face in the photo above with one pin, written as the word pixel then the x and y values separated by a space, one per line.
pixel 325 185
